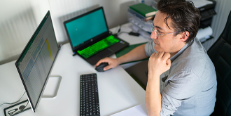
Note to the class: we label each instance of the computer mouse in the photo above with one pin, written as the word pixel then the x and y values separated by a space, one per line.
pixel 100 67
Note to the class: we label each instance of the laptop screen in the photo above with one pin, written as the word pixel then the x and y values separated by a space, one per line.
pixel 86 27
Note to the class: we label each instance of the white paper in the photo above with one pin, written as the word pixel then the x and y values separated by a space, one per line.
pixel 204 33
pixel 200 3
pixel 139 110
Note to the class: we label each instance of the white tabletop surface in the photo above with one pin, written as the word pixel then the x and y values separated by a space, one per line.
pixel 117 90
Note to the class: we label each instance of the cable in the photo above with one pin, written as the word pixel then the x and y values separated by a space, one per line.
pixel 122 32
pixel 118 30
pixel 13 102
pixel 130 33
pixel 27 103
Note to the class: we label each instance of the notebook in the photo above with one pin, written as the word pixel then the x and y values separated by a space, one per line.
pixel 90 37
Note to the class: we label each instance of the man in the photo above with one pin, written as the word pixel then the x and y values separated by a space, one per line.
pixel 179 60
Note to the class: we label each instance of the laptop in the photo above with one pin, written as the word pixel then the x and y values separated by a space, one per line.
pixel 90 37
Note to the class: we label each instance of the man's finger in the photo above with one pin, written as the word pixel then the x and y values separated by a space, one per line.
pixel 166 56
pixel 99 62
pixel 154 54
pixel 161 54
pixel 168 63
pixel 107 67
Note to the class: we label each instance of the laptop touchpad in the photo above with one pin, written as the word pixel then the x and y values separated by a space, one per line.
pixel 94 59
pixel 105 53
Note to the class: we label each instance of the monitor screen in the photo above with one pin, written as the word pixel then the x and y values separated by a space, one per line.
pixel 86 27
pixel 36 60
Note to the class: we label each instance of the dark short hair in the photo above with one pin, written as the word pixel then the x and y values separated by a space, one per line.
pixel 184 15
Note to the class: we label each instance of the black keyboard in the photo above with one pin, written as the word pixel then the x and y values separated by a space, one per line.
pixel 89 98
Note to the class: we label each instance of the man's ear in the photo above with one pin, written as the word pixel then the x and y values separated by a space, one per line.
pixel 185 36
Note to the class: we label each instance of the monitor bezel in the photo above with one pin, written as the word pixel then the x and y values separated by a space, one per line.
pixel 21 55
pixel 90 41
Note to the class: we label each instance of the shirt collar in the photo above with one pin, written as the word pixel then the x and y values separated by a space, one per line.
pixel 181 50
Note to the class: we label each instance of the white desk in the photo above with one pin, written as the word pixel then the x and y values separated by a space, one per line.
pixel 117 90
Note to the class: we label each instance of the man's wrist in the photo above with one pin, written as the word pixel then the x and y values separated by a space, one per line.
pixel 119 60
pixel 153 74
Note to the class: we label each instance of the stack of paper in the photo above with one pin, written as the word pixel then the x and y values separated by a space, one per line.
pixel 141 16
pixel 200 3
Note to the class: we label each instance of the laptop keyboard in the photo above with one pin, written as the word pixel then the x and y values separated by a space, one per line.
pixel 89 99
pixel 98 46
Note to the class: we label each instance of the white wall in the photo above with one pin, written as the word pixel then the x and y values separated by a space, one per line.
pixel 19 19
pixel 13 14
pixel 40 8
pixel 10 8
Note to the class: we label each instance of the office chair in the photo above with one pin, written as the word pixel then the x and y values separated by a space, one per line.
pixel 220 54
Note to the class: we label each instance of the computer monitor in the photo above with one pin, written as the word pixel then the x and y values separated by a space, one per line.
pixel 36 60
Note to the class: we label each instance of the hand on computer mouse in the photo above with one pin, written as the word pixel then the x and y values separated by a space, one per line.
pixel 112 63
pixel 100 67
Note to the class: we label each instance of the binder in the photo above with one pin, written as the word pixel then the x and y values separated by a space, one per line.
pixel 144 9
pixel 133 13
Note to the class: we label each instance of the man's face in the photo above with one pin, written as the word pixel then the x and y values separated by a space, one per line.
pixel 165 41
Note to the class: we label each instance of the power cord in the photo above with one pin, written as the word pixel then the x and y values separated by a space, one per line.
pixel 13 102
pixel 26 104
pixel 118 31
pixel 122 32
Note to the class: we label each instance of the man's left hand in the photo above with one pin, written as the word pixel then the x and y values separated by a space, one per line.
pixel 158 63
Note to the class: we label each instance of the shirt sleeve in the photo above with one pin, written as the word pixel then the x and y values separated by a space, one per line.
pixel 182 86
pixel 149 48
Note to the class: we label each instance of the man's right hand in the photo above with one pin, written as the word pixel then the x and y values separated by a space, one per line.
pixel 112 63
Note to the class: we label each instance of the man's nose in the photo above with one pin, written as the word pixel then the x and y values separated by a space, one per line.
pixel 153 35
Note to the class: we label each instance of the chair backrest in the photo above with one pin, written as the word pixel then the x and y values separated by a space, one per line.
pixel 220 54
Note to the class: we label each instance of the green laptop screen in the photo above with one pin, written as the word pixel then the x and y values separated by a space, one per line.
pixel 86 27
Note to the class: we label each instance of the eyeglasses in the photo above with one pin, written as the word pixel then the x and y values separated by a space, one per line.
pixel 157 33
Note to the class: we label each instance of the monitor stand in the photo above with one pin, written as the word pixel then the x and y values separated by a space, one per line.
pixel 51 87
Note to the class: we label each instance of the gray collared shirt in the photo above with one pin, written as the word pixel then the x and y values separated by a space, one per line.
pixel 190 84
